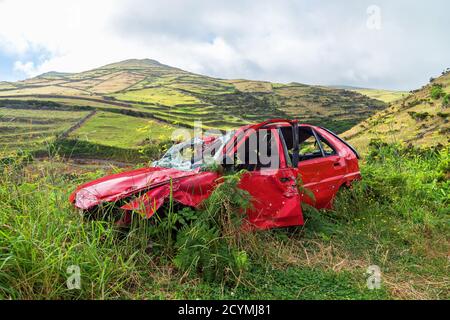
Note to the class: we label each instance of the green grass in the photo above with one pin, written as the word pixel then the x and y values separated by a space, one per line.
pixel 396 218
pixel 81 149
pixel 121 131
pixel 28 116
pixel 31 129
pixel 157 95
pixel 35 125
pixel 201 85
pixel 387 96
pixel 6 86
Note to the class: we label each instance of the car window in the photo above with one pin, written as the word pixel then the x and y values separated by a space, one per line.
pixel 195 153
pixel 327 147
pixel 309 148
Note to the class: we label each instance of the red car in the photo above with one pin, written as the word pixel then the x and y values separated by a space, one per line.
pixel 273 153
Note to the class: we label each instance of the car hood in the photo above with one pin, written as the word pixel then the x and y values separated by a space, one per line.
pixel 122 185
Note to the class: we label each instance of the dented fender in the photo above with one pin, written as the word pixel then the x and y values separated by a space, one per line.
pixel 188 192
pixel 148 203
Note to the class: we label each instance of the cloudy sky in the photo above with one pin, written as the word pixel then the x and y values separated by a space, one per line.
pixel 380 44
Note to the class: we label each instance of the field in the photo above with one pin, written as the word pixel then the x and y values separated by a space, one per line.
pixel 158 95
pixel 122 131
pixel 396 219
pixel 383 95
pixel 26 129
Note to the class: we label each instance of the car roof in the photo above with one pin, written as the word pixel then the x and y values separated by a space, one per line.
pixel 275 123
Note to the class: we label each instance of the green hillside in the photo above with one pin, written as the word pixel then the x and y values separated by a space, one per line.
pixel 31 128
pixel 387 96
pixel 420 119
pixel 384 95
pixel 133 93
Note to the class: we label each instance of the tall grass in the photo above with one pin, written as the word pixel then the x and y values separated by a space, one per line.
pixel 212 245
pixel 397 217
pixel 41 236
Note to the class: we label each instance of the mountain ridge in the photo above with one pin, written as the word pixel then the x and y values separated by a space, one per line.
pixel 229 102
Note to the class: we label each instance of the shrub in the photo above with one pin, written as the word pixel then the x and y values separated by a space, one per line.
pixel 436 91
pixel 419 115
pixel 413 103
pixel 446 101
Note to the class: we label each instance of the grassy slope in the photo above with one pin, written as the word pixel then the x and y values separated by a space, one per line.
pixel 27 129
pixel 417 119
pixel 148 89
pixel 396 218
pixel 107 128
pixel 387 96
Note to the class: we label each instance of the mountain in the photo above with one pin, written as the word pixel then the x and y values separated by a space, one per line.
pixel 421 118
pixel 179 96
pixel 141 91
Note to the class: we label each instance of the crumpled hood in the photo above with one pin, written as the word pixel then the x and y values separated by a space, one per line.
pixel 121 185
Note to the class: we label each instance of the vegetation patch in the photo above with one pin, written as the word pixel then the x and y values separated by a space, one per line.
pixel 121 131
pixel 419 115
pixel 157 95
pixel 437 91
pixel 395 218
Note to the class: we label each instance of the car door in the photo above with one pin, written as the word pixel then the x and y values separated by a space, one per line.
pixel 275 196
pixel 321 172
pixel 335 178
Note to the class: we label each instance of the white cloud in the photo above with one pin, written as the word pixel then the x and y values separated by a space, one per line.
pixel 26 68
pixel 319 42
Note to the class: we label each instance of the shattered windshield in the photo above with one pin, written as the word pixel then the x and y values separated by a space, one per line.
pixel 193 154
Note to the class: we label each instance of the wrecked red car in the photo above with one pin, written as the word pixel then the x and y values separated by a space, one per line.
pixel 274 154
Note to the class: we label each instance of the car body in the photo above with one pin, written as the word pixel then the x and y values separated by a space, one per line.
pixel 324 163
